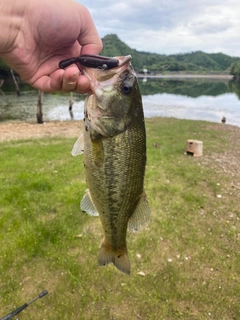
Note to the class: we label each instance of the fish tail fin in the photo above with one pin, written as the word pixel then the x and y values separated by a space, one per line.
pixel 118 257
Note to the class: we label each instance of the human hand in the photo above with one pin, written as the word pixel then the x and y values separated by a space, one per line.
pixel 41 33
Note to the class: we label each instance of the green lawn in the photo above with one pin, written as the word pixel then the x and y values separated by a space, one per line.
pixel 189 254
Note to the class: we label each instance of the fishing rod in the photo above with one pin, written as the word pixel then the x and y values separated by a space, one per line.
pixel 25 305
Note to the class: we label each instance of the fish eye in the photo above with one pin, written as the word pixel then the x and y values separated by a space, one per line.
pixel 126 89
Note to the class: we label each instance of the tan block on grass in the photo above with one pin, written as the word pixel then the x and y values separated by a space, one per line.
pixel 195 147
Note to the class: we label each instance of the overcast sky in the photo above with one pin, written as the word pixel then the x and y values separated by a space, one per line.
pixel 170 26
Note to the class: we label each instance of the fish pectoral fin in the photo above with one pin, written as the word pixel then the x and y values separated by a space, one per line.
pixel 87 205
pixel 78 147
pixel 119 258
pixel 141 216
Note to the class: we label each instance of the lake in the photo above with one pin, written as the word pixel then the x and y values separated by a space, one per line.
pixel 194 98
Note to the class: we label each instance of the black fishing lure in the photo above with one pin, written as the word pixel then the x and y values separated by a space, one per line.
pixel 91 61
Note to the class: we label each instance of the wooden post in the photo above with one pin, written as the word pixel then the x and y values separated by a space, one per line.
pixel 70 102
pixel 15 82
pixel 39 107
pixel 71 105
pixel 194 148
pixel 1 83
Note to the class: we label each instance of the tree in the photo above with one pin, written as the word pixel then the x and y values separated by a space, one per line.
pixel 235 70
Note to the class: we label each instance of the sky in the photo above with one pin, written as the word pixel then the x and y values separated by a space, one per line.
pixel 170 26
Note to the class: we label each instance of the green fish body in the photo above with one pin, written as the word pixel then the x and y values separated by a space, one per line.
pixel 114 158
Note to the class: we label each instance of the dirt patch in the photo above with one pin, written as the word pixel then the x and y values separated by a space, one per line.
pixel 225 164
pixel 227 161
pixel 24 130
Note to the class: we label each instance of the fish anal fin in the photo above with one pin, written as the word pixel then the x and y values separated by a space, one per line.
pixel 87 205
pixel 118 257
pixel 141 216
pixel 78 147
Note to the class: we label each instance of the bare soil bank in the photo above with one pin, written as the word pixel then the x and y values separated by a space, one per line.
pixel 25 130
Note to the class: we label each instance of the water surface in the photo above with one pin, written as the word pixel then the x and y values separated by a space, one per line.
pixel 196 99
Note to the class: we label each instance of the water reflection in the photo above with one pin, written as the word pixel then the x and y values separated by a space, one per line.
pixel 186 87
pixel 198 99
pixel 207 108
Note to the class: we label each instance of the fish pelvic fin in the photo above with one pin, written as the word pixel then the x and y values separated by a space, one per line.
pixel 141 216
pixel 87 205
pixel 118 257
pixel 78 147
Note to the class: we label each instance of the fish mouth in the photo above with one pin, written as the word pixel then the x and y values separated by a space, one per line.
pixel 102 78
pixel 124 60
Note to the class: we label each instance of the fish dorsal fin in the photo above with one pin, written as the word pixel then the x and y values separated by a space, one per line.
pixel 141 216
pixel 78 147
pixel 87 205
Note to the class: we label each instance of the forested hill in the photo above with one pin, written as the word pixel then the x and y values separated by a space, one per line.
pixel 194 62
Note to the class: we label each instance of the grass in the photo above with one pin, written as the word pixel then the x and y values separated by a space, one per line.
pixel 189 253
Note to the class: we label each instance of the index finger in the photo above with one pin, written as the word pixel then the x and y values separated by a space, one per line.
pixel 88 38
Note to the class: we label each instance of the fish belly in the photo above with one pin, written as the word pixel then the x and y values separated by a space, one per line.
pixel 114 170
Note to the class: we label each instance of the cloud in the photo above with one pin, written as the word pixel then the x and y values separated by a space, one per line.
pixel 170 26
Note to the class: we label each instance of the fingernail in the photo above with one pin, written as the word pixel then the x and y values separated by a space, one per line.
pixel 74 77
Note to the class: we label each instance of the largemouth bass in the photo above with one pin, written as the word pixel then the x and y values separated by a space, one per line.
pixel 114 144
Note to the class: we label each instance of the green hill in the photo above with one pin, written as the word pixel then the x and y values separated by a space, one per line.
pixel 195 61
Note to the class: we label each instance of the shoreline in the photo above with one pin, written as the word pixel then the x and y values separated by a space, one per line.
pixel 187 76
pixel 20 130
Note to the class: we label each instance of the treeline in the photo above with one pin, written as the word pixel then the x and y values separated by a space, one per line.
pixel 192 62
